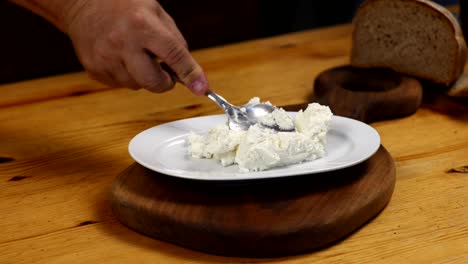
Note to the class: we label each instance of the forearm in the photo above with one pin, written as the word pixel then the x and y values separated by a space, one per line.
pixel 58 12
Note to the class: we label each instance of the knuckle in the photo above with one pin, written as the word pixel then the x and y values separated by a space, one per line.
pixel 175 54
pixel 158 10
pixel 138 18
pixel 189 74
pixel 116 39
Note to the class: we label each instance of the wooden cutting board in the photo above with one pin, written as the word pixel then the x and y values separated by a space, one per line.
pixel 260 218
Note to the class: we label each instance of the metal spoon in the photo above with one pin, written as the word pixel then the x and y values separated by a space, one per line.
pixel 241 118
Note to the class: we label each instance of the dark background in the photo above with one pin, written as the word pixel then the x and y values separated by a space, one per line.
pixel 30 47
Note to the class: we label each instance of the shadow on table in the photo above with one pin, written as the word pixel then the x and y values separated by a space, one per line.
pixel 436 99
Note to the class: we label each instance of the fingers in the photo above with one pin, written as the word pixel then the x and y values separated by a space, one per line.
pixel 135 70
pixel 103 77
pixel 122 77
pixel 147 73
pixel 106 67
pixel 167 46
pixel 140 71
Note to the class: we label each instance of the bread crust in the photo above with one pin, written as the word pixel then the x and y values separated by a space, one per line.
pixel 460 53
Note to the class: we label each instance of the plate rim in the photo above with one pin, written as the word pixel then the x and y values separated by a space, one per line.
pixel 241 176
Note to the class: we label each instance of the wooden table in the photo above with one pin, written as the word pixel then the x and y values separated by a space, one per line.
pixel 64 139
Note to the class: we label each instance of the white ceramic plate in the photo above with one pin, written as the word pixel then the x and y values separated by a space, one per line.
pixel 163 149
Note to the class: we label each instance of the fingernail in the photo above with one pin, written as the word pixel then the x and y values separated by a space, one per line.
pixel 199 86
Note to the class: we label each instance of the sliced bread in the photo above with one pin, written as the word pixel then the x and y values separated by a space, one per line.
pixel 414 37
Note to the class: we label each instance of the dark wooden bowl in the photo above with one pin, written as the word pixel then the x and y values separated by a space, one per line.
pixel 367 94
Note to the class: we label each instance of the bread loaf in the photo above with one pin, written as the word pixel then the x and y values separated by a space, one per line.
pixel 414 37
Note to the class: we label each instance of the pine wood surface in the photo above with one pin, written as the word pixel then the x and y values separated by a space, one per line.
pixel 63 140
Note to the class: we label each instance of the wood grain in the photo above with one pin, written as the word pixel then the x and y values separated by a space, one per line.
pixel 70 148
pixel 266 218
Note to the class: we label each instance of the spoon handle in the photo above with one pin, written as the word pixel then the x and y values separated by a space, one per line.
pixel 219 100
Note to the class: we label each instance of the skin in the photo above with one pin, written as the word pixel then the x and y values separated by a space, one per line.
pixel 121 42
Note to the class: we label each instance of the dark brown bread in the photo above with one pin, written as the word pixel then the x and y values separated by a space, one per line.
pixel 414 37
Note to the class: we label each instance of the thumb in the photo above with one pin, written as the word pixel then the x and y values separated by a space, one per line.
pixel 199 86
pixel 182 66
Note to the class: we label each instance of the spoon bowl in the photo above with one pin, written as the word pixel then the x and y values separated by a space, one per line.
pixel 241 118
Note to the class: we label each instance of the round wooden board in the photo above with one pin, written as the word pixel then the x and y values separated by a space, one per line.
pixel 367 94
pixel 257 218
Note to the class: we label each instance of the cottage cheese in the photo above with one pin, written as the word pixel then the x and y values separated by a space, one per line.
pixel 261 148
pixel 278 118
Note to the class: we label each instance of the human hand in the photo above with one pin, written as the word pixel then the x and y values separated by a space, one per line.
pixel 114 40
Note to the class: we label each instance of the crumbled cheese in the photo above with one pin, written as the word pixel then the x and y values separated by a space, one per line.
pixel 314 121
pixel 220 143
pixel 256 100
pixel 263 148
pixel 260 148
pixel 279 118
